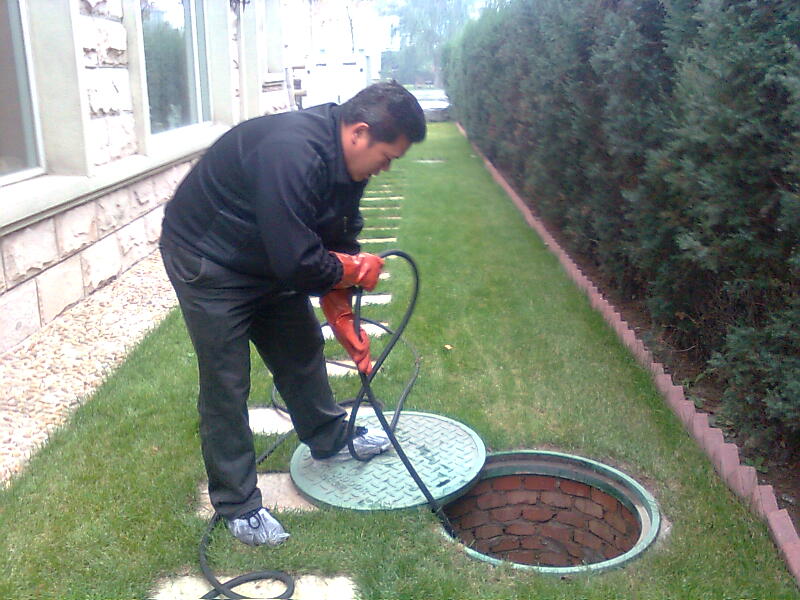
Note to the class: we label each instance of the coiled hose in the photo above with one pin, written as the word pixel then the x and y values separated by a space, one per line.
pixel 225 589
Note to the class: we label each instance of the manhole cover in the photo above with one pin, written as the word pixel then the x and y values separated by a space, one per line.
pixel 447 455
pixel 555 513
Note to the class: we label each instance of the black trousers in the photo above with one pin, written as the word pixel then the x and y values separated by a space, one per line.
pixel 224 311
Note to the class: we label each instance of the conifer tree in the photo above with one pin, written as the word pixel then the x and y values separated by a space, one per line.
pixel 663 138
pixel 634 76
pixel 712 249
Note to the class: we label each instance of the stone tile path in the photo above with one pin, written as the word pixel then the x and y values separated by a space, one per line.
pixel 307 587
pixel 366 300
pixel 380 240
pixel 277 493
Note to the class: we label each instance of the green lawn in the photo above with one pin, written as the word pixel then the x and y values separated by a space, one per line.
pixel 108 506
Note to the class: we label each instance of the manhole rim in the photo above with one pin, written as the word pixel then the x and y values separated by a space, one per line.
pixel 643 505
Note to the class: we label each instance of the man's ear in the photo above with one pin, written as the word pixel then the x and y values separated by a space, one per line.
pixel 358 131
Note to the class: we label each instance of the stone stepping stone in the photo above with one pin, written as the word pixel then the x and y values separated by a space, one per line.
pixel 381 198
pixel 379 240
pixel 268 420
pixel 343 371
pixel 372 330
pixel 307 587
pixel 379 228
pixel 366 300
pixel 278 493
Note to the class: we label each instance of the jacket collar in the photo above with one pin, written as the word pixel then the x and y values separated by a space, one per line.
pixel 341 175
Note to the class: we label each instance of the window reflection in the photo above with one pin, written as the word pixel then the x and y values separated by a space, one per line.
pixel 18 138
pixel 172 63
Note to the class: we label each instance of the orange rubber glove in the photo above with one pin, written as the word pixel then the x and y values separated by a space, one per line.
pixel 339 312
pixel 360 269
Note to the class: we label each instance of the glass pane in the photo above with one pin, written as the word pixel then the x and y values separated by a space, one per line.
pixel 170 63
pixel 18 140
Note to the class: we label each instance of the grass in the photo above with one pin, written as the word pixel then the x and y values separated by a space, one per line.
pixel 509 347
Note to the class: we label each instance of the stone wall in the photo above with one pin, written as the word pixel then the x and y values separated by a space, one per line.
pixel 54 263
pixel 102 37
pixel 57 261
pixel 55 258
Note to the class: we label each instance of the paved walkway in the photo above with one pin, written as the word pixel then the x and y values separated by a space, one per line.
pixel 49 374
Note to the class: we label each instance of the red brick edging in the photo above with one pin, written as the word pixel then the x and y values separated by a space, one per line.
pixel 741 479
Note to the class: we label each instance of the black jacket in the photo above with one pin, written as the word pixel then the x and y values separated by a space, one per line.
pixel 270 198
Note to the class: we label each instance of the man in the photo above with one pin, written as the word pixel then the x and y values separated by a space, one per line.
pixel 267 217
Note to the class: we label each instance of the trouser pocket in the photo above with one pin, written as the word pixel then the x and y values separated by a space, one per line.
pixel 183 265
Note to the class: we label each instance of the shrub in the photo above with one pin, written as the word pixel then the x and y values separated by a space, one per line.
pixel 762 368
pixel 661 138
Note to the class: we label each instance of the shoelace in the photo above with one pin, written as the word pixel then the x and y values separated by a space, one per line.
pixel 253 516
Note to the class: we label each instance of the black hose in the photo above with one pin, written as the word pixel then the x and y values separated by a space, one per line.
pixel 224 589
pixel 278 405
pixel 366 390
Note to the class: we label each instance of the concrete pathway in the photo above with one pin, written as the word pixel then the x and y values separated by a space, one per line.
pixel 307 587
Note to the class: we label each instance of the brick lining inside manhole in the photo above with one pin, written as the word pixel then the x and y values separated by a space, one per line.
pixel 543 520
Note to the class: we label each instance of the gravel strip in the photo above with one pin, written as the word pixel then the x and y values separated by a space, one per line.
pixel 52 372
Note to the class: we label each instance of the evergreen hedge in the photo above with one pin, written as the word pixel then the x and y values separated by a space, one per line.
pixel 662 137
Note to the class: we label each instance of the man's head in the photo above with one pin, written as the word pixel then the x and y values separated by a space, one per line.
pixel 378 125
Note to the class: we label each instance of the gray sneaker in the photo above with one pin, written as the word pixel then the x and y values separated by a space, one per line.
pixel 256 528
pixel 366 442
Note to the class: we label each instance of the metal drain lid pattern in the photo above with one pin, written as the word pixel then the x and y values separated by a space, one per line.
pixel 447 455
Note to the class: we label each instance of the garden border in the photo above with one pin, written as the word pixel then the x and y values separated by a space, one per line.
pixel 741 479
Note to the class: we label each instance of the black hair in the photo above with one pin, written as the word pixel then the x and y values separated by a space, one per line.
pixel 389 109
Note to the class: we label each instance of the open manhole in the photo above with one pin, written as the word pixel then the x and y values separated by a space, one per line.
pixel 554 513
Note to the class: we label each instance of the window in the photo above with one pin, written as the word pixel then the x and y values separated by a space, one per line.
pixel 18 142
pixel 175 63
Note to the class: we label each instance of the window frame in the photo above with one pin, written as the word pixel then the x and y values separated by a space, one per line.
pixel 66 178
pixel 201 94
pixel 33 127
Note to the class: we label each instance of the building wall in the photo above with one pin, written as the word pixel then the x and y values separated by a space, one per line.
pixel 56 262
pixel 334 47
pixel 103 46
pixel 96 208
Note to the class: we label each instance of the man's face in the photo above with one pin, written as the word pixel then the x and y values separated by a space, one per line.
pixel 365 158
